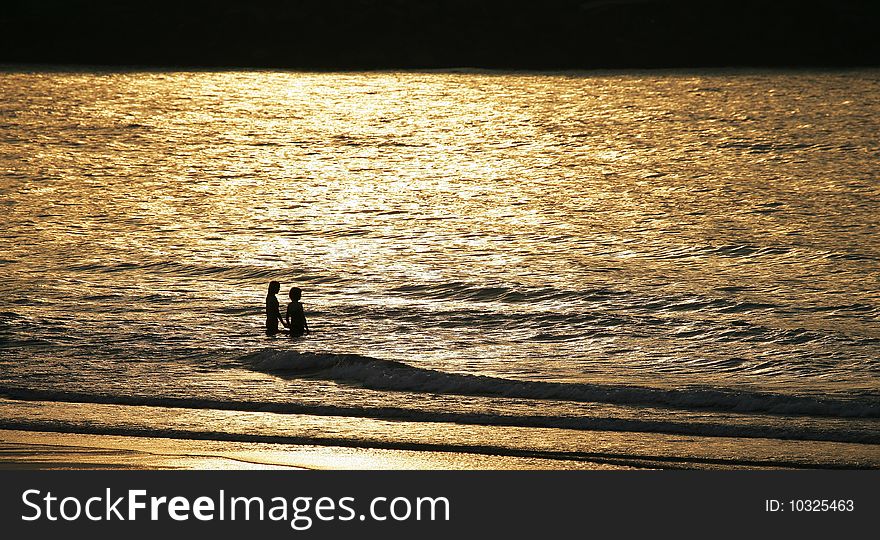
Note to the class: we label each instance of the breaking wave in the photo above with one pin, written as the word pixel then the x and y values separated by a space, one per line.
pixel 389 375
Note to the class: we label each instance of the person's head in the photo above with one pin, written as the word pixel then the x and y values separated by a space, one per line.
pixel 295 294
pixel 274 287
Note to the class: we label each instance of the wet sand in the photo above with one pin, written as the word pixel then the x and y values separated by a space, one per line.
pixel 33 450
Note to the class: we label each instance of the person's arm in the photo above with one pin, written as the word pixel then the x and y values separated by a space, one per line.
pixel 305 322
pixel 278 314
pixel 289 318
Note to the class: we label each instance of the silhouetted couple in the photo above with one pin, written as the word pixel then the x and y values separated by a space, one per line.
pixel 296 317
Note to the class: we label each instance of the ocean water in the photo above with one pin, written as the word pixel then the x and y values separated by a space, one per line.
pixel 648 269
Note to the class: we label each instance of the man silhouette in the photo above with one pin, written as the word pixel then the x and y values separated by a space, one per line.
pixel 296 317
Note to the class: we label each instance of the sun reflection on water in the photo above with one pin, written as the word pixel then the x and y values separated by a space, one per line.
pixel 447 220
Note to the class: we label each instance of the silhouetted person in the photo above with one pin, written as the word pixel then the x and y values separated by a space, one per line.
pixel 273 313
pixel 296 317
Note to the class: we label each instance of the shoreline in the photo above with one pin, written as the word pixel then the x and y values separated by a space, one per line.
pixel 167 437
pixel 43 450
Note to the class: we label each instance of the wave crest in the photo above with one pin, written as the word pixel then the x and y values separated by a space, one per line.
pixel 389 375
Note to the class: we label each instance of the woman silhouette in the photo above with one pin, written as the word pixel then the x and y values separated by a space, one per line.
pixel 273 314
